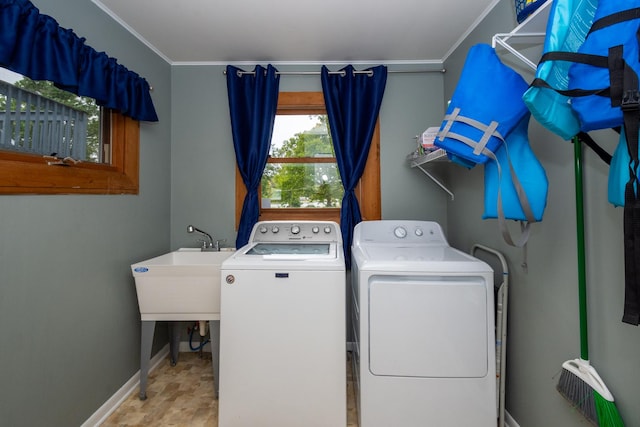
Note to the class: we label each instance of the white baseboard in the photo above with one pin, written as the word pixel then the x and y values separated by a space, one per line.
pixel 116 400
pixel 509 421
pixel 123 393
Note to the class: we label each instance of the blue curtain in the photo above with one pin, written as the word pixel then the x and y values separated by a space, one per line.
pixel 35 46
pixel 353 102
pixel 253 100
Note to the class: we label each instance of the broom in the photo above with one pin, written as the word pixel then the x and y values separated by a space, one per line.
pixel 579 382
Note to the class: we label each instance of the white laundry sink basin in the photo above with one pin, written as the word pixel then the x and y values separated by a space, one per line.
pixel 180 285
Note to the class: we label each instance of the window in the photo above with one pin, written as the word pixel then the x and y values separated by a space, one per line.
pixel 54 142
pixel 301 171
pixel 301 180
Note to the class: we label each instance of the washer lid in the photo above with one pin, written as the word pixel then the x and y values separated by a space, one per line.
pixel 293 255
pixel 291 252
pixel 290 249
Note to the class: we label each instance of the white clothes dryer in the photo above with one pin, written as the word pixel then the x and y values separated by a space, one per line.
pixel 422 316
pixel 283 329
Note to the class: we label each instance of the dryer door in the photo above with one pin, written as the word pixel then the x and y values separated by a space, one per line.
pixel 429 326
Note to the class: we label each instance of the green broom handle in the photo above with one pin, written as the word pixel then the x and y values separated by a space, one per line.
pixel 582 280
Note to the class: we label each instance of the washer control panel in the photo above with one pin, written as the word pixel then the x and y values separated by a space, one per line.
pixel 287 231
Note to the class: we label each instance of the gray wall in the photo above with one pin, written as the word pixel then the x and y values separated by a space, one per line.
pixel 68 306
pixel 543 317
pixel 67 299
pixel 203 161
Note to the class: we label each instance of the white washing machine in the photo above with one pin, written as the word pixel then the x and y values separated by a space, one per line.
pixel 282 328
pixel 422 316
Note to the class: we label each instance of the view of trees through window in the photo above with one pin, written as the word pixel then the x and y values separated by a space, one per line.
pixel 301 171
pixel 30 109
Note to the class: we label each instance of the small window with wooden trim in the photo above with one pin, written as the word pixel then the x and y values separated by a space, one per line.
pixel 55 142
pixel 301 179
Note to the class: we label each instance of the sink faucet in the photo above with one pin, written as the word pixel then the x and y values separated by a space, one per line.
pixel 209 244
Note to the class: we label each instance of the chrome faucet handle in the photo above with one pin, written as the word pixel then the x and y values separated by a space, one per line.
pixel 217 245
pixel 205 244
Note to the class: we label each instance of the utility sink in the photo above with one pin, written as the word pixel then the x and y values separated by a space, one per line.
pixel 180 285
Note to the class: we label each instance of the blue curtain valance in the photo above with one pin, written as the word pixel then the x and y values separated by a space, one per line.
pixel 35 46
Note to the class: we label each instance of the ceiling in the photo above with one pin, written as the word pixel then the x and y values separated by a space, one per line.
pixel 299 31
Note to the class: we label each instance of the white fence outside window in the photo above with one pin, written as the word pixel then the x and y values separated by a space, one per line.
pixel 30 123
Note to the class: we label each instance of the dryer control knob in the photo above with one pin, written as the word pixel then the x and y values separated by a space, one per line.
pixel 315 230
pixel 400 232
pixel 295 229
pixel 327 230
pixel 263 229
pixel 419 232
pixel 275 229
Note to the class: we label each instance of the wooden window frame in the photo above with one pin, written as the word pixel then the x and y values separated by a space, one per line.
pixel 367 190
pixel 31 174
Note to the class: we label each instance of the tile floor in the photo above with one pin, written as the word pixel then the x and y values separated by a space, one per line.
pixel 183 395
